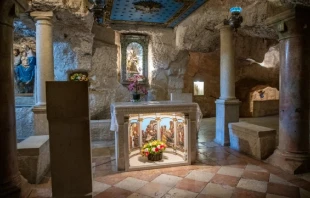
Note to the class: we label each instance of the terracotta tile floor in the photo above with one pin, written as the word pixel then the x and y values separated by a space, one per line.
pixel 218 172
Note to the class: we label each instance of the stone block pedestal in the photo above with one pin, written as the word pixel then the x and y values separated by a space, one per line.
pixel 251 139
pixel 40 120
pixel 227 111
pixel 34 158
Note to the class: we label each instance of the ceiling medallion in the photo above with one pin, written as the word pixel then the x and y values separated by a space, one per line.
pixel 148 6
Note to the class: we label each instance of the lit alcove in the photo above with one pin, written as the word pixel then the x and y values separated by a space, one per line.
pixel 198 88
pixel 171 128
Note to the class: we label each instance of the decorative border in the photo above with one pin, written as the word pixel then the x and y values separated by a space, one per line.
pixel 126 39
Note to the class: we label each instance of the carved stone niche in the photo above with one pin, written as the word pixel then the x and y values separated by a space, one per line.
pixel 134 50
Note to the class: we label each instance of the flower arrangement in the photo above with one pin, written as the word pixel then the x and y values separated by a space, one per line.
pixel 135 85
pixel 78 77
pixel 153 148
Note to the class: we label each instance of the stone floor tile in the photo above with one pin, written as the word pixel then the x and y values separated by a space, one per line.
pixel 191 185
pixel 199 175
pixel 274 196
pixel 178 193
pixel 41 193
pixel 254 185
pixel 178 172
pixel 218 190
pixel 242 193
pixel 111 179
pixel 131 184
pixel 304 193
pixel 137 195
pixel 205 196
pixel 225 180
pixel 255 175
pixel 114 192
pixel 251 167
pixel 168 180
pixel 236 172
pixel 147 175
pixel 275 179
pixel 154 189
pixel 210 169
pixel 99 187
pixel 218 155
pixel 241 165
pixel 283 190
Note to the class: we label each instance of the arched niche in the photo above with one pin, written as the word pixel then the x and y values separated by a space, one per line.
pixel 134 57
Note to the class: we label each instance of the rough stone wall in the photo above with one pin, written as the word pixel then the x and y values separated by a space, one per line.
pixel 167 64
pixel 249 72
pixel 204 67
pixel 104 85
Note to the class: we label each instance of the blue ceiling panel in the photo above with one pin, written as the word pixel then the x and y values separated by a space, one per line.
pixel 197 4
pixel 171 14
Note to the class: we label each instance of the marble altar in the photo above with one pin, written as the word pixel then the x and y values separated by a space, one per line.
pixel 184 124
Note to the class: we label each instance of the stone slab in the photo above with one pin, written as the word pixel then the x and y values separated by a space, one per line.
pixel 34 158
pixel 69 128
pixel 254 140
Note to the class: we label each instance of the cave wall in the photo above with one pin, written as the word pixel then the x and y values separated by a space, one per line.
pixel 249 72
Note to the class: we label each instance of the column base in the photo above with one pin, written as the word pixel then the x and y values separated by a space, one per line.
pixel 227 111
pixel 290 162
pixel 40 120
pixel 17 188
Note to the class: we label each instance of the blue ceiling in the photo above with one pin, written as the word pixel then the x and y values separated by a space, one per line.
pixel 170 15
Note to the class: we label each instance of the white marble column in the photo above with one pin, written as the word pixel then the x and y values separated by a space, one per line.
pixel 140 121
pixel 44 68
pixel 175 131
pixel 227 106
pixel 158 119
pixel 185 138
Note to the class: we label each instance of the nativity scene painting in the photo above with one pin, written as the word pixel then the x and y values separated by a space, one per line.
pixel 149 130
pixel 168 128
pixel 24 69
pixel 134 135
pixel 167 131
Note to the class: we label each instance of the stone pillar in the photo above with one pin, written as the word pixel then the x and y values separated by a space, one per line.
pixel 292 154
pixel 227 106
pixel 175 131
pixel 44 69
pixel 140 121
pixel 11 183
pixel 185 139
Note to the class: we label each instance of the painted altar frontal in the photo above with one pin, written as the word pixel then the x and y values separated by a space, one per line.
pixel 174 123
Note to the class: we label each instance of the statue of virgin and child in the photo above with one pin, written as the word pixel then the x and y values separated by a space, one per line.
pixel 24 69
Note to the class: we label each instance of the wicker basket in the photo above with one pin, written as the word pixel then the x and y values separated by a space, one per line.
pixel 155 157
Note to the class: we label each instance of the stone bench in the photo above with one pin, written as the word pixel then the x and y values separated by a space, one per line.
pixel 34 158
pixel 257 141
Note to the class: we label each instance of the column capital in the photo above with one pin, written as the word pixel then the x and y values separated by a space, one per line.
pixel 222 26
pixel 38 15
pixel 289 23
pixel 10 9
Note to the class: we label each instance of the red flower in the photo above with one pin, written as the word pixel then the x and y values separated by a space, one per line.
pixel 146 154
pixel 156 149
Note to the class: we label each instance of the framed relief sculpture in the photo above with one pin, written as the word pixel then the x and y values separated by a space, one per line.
pixel 134 60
